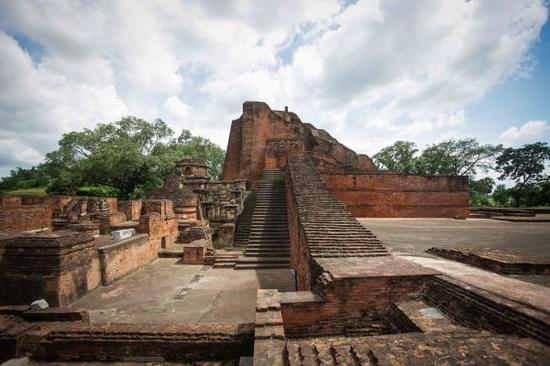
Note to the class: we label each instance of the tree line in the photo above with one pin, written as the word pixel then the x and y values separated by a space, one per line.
pixel 125 159
pixel 526 166
pixel 130 157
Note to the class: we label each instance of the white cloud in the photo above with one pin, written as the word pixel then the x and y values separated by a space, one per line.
pixel 36 102
pixel 529 132
pixel 369 73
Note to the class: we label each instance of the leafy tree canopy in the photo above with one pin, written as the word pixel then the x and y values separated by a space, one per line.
pixel 480 191
pixel 452 157
pixel 129 157
pixel 399 157
pixel 457 157
pixel 525 166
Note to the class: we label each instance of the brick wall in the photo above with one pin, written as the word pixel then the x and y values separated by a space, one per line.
pixel 189 343
pixel 159 221
pixel 131 208
pixel 252 147
pixel 277 152
pixel 120 258
pixel 400 195
pixel 25 217
pixel 247 140
pixel 57 266
pixel 349 300
pixel 478 309
pixel 10 201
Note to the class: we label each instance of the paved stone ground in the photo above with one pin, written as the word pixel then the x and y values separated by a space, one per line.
pixel 166 291
pixel 414 236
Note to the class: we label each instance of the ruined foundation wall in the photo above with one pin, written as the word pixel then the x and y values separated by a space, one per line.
pixel 247 140
pixel 159 221
pixel 125 256
pixel 59 267
pixel 25 217
pixel 122 342
pixel 400 195
pixel 478 309
pixel 262 139
pixel 347 302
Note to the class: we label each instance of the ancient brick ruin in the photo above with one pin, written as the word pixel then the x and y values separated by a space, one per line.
pixel 287 208
pixel 265 139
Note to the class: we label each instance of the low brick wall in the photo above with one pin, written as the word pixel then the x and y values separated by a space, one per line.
pixel 500 261
pixel 347 301
pixel 57 266
pixel 478 309
pixel 188 343
pixel 383 194
pixel 125 256
pixel 25 217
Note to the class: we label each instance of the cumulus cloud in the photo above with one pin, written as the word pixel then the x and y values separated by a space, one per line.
pixel 369 72
pixel 529 132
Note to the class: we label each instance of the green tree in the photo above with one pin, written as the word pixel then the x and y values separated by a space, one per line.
pixel 457 157
pixel 399 157
pixel 502 196
pixel 480 191
pixel 21 178
pixel 525 166
pixel 131 156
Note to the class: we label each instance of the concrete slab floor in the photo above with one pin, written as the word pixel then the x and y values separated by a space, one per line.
pixel 413 236
pixel 167 291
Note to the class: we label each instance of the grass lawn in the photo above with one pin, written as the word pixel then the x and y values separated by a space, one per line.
pixel 35 191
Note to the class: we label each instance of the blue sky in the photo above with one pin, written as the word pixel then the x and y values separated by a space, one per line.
pixel 369 72
pixel 518 98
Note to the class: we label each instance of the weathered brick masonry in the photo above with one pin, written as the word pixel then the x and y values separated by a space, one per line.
pixel 58 266
pixel 262 139
pixel 500 261
pixel 319 225
pixel 117 259
pixel 340 260
pixel 383 194
pixel 265 139
pixel 25 217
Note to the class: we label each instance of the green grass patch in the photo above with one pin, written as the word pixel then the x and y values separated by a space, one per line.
pixel 34 191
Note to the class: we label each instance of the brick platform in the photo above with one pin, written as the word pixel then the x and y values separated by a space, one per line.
pixel 417 349
pixel 58 266
pixel 497 260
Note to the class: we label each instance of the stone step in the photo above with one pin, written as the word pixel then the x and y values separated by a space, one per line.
pixel 347 255
pixel 224 257
pixel 252 260
pixel 253 246
pixel 269 239
pixel 269 229
pixel 170 253
pixel 261 266
pixel 267 254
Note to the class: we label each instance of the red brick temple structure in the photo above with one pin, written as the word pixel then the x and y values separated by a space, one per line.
pixel 299 280
pixel 264 139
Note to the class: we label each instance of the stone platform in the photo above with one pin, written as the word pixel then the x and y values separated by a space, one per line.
pixel 167 291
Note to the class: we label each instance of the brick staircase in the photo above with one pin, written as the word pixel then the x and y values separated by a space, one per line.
pixel 268 242
pixel 242 232
pixel 226 260
pixel 330 229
